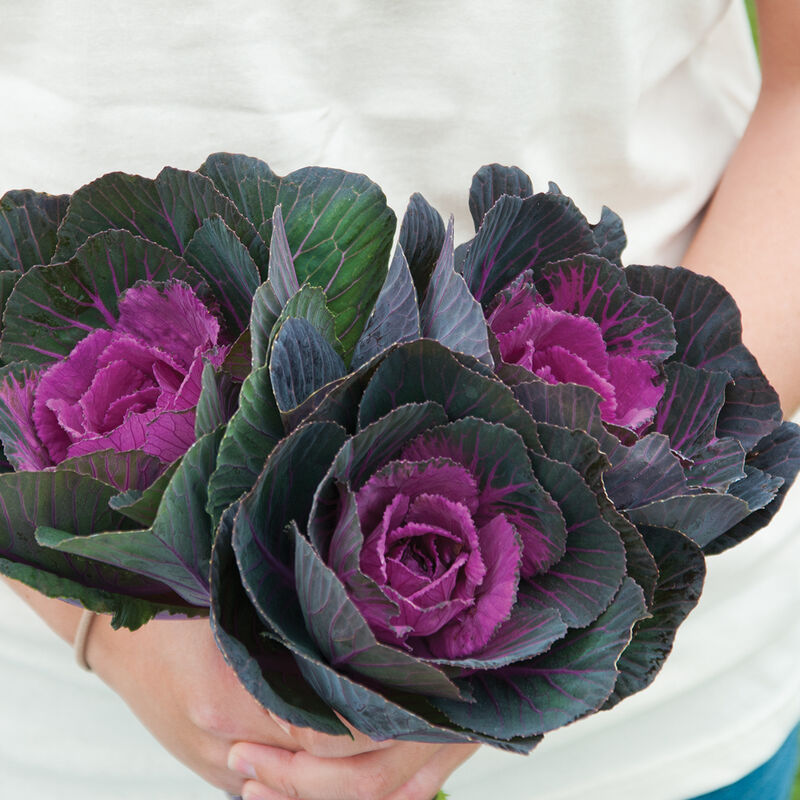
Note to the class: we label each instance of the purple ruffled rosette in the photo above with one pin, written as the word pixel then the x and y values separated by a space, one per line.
pixel 438 561
pixel 134 386
pixel 559 346
pixel 648 360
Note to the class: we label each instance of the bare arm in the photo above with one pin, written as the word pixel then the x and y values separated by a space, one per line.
pixel 61 617
pixel 750 237
pixel 174 679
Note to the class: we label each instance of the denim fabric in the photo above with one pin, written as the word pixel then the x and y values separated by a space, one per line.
pixel 771 781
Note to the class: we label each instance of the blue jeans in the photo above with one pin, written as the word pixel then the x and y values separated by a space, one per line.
pixel 771 781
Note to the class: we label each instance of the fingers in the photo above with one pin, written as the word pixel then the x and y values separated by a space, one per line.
pixel 367 776
pixel 326 746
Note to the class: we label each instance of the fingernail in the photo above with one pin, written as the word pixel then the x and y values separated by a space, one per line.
pixel 255 793
pixel 238 765
pixel 281 723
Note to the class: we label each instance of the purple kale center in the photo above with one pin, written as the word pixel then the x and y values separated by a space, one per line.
pixel 429 546
pixel 561 347
pixel 133 387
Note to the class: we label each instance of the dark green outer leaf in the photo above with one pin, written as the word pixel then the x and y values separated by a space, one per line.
pixel 167 211
pixel 176 550
pixel 301 363
pixel 238 361
pixel 182 521
pixel 380 441
pixel 450 314
pixel 28 224
pixel 645 472
pixel 335 531
pixel 709 333
pixel 472 363
pixel 690 406
pixel 341 403
pixel 8 279
pixel 142 506
pixel 225 263
pixel 609 234
pixel 283 492
pixel 777 454
pixel 309 303
pixel 387 715
pixel 571 680
pixel 248 182
pixel 567 405
pixel 249 438
pixel 580 451
pixel 127 612
pixel 490 183
pixel 52 308
pixel 639 562
pixel 518 233
pixel 707 322
pixel 758 488
pixel 138 552
pixel 340 232
pixel 421 238
pixel 380 715
pixel 425 370
pixel 717 466
pixel 702 517
pixel 217 402
pixel 682 570
pixel 265 667
pixel 75 504
pixel 281 275
pixel 305 411
pixel 343 636
pixel 395 317
pixel 528 632
pixel 338 227
pixel 264 314
pixel 751 412
pixel 584 581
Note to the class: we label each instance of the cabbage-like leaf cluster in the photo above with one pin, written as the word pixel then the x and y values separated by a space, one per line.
pixel 447 493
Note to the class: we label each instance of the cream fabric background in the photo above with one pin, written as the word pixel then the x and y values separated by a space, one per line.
pixel 634 104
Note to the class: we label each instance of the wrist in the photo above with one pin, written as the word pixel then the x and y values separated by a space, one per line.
pixel 61 617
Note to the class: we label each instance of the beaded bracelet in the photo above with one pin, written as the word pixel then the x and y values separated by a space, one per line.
pixel 82 639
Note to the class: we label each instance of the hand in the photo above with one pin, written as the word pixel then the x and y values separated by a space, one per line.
pixel 173 677
pixel 175 680
pixel 393 771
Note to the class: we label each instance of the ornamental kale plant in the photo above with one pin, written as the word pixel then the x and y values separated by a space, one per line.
pixel 126 336
pixel 441 560
pixel 648 359
pixel 459 494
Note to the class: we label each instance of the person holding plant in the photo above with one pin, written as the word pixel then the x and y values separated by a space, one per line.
pixel 637 107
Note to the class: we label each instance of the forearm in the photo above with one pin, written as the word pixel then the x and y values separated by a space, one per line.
pixel 61 617
pixel 748 239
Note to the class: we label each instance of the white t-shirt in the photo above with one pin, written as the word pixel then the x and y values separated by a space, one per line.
pixel 636 105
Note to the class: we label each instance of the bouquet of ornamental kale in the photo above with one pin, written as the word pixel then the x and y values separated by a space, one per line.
pixel 446 493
